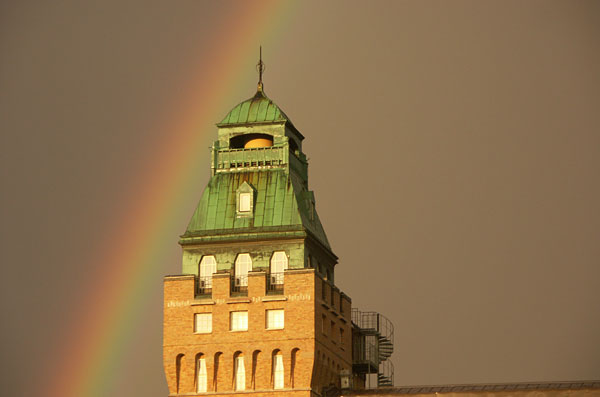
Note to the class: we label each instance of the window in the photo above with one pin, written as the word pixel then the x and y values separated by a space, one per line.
pixel 341 336
pixel 275 319
pixel 239 378
pixel 245 198
pixel 243 264
pixel 278 370
pixel 295 353
pixel 238 321
pixel 245 202
pixel 333 331
pixel 203 323
pixel 279 263
pixel 332 297
pixel 324 324
pixel 208 266
pixel 202 378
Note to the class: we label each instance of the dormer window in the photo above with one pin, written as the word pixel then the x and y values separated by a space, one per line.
pixel 245 200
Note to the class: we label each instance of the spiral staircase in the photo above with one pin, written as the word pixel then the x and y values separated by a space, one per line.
pixel 373 344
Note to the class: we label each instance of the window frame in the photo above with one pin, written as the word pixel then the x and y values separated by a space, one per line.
pixel 245 203
pixel 197 316
pixel 241 275
pixel 273 325
pixel 234 323
pixel 278 265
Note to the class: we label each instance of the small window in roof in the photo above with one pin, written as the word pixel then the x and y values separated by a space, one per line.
pixel 245 200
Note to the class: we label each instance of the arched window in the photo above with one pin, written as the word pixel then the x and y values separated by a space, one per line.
pixel 295 354
pixel 179 361
pixel 201 375
pixel 239 372
pixel 279 263
pixel 278 373
pixel 255 356
pixel 208 266
pixel 243 264
pixel 216 370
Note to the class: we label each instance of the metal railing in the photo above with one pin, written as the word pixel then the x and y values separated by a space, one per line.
pixel 205 285
pixel 275 283
pixel 239 285
pixel 374 321
pixel 373 344
pixel 385 375
pixel 365 351
pixel 251 157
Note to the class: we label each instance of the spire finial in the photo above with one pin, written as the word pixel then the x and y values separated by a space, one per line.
pixel 260 66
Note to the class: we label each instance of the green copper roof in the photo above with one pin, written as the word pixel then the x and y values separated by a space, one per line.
pixel 258 109
pixel 280 205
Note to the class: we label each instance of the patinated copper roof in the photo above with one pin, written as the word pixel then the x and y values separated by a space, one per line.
pixel 258 109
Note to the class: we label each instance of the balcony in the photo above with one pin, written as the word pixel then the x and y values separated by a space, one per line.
pixel 251 157
pixel 205 286
pixel 275 284
pixel 239 285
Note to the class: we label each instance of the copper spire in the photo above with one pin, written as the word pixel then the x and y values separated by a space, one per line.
pixel 260 66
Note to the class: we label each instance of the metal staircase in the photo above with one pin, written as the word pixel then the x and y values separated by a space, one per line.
pixel 373 344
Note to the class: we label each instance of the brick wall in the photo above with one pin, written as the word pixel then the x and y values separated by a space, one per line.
pixel 310 358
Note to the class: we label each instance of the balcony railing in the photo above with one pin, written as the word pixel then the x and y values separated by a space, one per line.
pixel 205 286
pixel 239 285
pixel 275 284
pixel 251 157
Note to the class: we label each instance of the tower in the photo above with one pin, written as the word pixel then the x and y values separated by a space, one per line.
pixel 256 308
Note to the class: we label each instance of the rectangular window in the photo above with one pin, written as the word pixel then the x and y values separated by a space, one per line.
pixel 203 323
pixel 245 202
pixel 278 372
pixel 202 379
pixel 332 331
pixel 238 321
pixel 275 319
pixel 341 336
pixel 324 325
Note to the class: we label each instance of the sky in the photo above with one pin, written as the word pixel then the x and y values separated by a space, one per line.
pixel 454 152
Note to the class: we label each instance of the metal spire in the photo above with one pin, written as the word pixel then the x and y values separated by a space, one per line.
pixel 260 66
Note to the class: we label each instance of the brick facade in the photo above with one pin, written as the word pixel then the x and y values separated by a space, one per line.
pixel 312 358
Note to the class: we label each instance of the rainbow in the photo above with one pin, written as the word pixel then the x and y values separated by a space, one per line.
pixel 133 252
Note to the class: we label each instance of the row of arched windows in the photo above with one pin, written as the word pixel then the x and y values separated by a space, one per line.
pixel 244 370
pixel 243 265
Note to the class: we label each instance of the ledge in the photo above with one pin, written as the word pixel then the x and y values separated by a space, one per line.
pixel 241 300
pixel 179 277
pixel 201 302
pixel 274 298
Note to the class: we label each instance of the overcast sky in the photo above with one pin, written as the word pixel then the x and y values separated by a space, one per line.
pixel 454 151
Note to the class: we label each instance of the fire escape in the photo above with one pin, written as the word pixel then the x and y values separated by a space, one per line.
pixel 373 344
